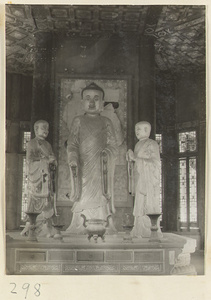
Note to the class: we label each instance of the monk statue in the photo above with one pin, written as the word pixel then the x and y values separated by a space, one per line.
pixel 41 164
pixel 91 153
pixel 144 169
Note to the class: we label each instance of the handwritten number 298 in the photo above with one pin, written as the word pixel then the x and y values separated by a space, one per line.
pixel 26 287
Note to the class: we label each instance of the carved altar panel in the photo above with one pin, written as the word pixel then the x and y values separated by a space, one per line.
pixel 115 108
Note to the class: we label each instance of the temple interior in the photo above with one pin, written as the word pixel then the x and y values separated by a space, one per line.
pixel 151 62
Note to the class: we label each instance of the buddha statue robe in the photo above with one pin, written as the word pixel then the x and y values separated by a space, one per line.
pixel 92 145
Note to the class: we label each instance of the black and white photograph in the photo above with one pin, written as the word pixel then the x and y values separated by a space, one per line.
pixel 105 141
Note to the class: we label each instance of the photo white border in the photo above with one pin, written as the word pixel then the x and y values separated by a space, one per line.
pixel 103 287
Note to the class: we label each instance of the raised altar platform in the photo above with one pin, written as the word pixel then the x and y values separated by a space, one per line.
pixel 75 255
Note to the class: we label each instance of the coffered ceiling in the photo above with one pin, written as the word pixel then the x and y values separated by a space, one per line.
pixel 178 31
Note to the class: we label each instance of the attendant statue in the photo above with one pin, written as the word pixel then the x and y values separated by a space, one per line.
pixel 144 179
pixel 91 153
pixel 41 165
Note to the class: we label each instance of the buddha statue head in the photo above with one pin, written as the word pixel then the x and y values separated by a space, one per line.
pixel 92 98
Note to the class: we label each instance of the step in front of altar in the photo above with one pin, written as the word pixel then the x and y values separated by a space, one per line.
pixel 142 258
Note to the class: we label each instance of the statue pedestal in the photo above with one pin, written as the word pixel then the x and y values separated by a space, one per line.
pixel 76 256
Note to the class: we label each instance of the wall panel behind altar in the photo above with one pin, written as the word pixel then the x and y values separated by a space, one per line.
pixel 115 108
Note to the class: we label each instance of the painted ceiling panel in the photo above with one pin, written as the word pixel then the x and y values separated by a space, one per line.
pixel 178 31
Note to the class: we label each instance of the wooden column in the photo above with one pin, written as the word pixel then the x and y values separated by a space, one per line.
pixel 146 107
pixel 166 119
pixel 170 179
pixel 12 198
pixel 41 95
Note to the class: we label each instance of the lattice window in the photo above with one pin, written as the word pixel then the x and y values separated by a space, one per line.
pixel 183 190
pixel 188 180
pixel 24 191
pixel 158 138
pixel 192 190
pixel 187 141
pixel 161 189
pixel 25 139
